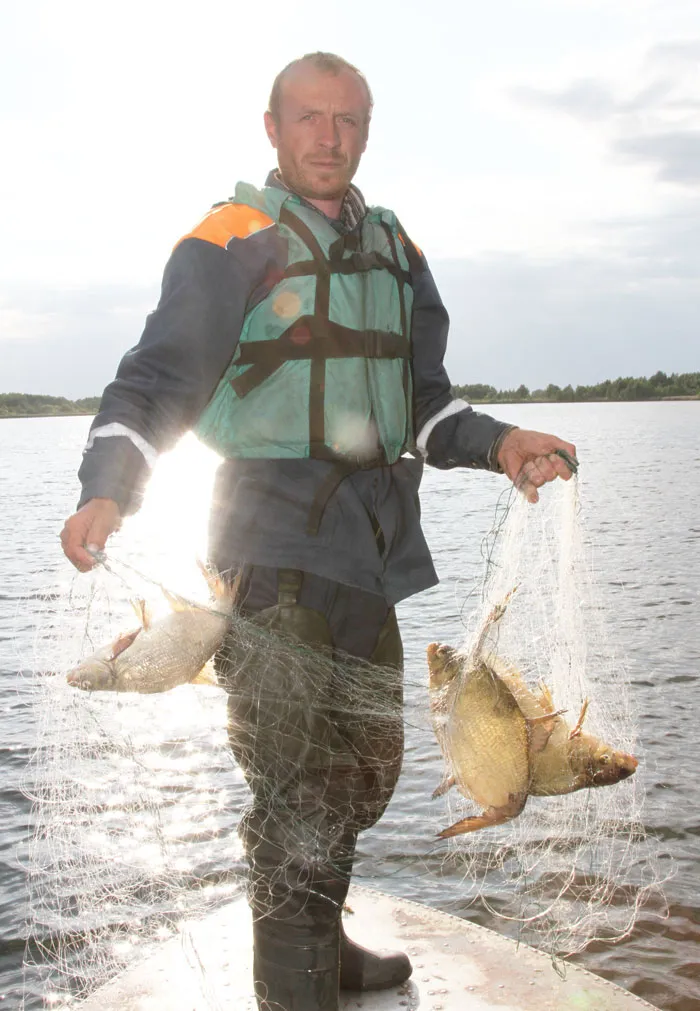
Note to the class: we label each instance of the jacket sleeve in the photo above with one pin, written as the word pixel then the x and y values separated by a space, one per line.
pixel 449 433
pixel 163 383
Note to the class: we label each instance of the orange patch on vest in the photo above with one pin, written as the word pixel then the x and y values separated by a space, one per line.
pixel 228 222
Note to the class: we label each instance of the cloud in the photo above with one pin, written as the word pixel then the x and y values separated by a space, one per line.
pixel 675 155
pixel 585 99
pixel 68 342
pixel 675 54
pixel 652 119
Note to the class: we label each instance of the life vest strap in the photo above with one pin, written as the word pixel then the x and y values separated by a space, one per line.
pixel 356 263
pixel 309 338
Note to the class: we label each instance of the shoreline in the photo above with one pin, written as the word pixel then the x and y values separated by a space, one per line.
pixel 67 414
pixel 475 403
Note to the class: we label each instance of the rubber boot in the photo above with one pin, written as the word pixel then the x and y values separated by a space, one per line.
pixel 294 977
pixel 362 969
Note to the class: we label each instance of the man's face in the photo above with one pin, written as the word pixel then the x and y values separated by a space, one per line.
pixel 322 131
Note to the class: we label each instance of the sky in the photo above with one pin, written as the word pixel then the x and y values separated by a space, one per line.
pixel 544 154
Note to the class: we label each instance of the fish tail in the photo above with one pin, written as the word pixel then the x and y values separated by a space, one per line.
pixel 218 586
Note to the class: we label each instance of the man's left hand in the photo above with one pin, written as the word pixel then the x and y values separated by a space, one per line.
pixel 530 460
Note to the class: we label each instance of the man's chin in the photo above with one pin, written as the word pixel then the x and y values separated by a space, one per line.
pixel 325 185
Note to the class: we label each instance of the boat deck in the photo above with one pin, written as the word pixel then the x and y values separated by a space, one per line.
pixel 457 966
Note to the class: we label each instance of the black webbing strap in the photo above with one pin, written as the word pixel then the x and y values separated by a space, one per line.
pixel 311 338
pixel 326 490
pixel 356 263
pixel 332 481
pixel 288 586
pixel 303 231
pixel 317 376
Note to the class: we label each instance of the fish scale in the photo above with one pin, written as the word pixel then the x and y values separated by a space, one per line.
pixel 172 651
pixel 486 739
pixel 161 655
pixel 501 742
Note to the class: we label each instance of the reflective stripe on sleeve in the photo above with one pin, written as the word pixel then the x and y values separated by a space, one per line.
pixel 455 407
pixel 149 452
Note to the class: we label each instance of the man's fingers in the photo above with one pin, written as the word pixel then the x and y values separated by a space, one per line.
pixel 560 466
pixel 537 472
pixel 89 528
pixel 72 540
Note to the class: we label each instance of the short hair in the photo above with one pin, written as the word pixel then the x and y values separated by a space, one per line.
pixel 326 63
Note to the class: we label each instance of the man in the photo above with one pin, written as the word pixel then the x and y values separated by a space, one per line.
pixel 301 335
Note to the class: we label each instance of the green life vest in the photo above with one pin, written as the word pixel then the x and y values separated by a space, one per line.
pixel 323 366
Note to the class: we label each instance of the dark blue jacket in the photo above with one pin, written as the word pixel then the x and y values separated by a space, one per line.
pixel 369 533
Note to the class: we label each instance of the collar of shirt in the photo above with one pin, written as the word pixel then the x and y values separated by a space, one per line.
pixel 353 208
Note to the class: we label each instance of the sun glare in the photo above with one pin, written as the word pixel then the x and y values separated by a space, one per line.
pixel 169 534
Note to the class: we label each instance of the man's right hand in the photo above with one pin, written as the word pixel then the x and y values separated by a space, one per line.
pixel 89 528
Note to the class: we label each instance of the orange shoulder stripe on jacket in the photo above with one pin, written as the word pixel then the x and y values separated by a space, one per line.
pixel 228 221
pixel 404 239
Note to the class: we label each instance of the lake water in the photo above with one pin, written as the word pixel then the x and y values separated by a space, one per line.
pixel 642 507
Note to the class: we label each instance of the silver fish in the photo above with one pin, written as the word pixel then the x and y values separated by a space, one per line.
pixel 158 656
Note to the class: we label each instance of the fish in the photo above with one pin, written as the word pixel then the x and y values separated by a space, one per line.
pixel 161 655
pixel 503 742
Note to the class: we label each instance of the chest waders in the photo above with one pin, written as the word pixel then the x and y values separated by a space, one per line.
pixel 322 371
pixel 322 766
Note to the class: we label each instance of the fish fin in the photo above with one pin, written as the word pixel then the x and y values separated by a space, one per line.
pixel 491 816
pixel 545 699
pixel 177 603
pixel 207 675
pixel 123 642
pixel 492 618
pixel 143 612
pixel 539 732
pixel 539 729
pixel 576 732
pixel 217 585
pixel 447 783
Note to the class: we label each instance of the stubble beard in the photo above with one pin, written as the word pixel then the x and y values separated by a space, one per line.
pixel 309 182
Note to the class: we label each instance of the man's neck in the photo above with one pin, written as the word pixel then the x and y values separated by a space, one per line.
pixel 331 208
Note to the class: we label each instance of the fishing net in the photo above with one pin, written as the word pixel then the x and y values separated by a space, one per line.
pixel 575 867
pixel 137 798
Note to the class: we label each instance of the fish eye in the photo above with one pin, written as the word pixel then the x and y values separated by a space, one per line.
pixel 605 758
pixel 86 685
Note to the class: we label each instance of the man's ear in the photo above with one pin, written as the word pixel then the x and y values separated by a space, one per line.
pixel 271 128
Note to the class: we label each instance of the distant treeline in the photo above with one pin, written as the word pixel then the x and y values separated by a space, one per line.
pixel 28 405
pixel 658 387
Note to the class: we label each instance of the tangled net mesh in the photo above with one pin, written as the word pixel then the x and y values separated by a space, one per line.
pixel 577 867
pixel 136 798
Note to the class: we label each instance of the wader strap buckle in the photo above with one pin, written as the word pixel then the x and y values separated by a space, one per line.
pixel 288 586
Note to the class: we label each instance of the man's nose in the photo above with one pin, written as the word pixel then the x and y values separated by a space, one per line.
pixel 328 135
